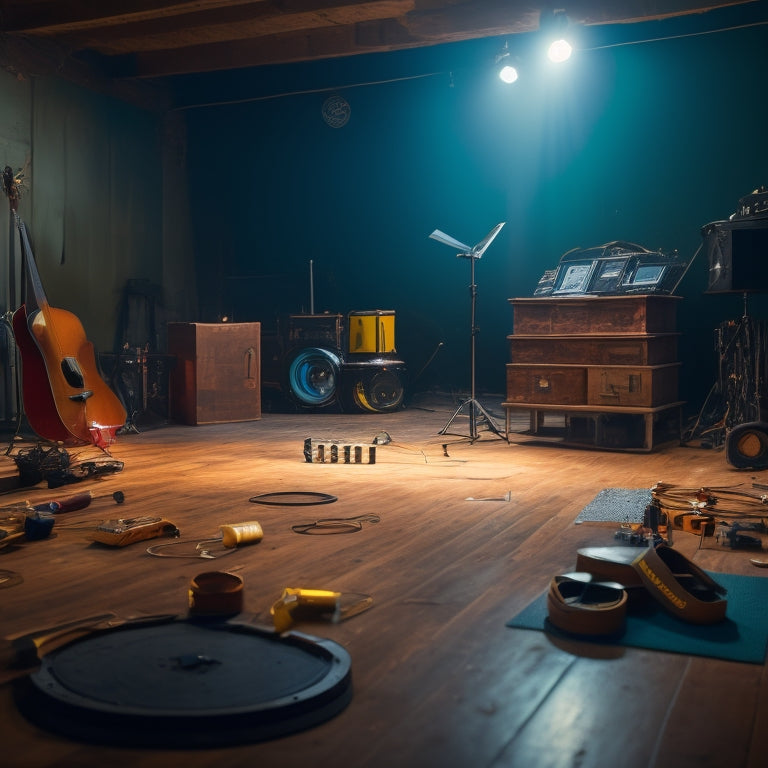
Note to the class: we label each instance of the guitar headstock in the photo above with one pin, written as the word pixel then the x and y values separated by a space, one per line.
pixel 12 186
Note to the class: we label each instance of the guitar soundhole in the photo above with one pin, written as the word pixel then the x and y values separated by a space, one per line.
pixel 72 373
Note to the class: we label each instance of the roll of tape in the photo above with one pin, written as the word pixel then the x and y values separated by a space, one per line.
pixel 215 593
pixel 241 533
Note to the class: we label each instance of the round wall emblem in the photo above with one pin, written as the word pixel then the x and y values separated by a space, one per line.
pixel 336 111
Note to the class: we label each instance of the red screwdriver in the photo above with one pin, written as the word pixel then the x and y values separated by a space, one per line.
pixel 73 503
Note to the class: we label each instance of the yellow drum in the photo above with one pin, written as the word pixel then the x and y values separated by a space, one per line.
pixel 372 332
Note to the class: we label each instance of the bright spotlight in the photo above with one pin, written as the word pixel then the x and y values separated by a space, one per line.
pixel 508 74
pixel 559 51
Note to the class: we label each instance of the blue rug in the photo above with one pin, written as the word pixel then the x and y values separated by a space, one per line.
pixel 743 636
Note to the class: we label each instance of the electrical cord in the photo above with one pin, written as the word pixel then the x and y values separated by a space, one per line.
pixel 334 525
pixel 293 498
pixel 202 549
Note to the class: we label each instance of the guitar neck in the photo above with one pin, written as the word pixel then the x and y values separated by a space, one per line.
pixel 33 276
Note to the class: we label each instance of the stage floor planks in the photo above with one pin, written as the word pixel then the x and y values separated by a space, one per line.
pixel 439 680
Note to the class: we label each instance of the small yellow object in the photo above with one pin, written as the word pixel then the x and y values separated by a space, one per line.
pixel 313 601
pixel 241 533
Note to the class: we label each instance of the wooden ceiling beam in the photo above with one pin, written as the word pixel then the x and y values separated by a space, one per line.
pixel 232 25
pixel 44 17
pixel 125 40
pixel 370 31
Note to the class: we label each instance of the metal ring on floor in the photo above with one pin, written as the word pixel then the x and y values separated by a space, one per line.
pixel 280 498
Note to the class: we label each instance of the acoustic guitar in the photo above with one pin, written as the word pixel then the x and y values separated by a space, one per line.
pixel 65 398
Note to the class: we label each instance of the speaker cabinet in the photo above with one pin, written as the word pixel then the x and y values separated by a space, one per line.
pixel 333 359
pixel 313 376
pixel 376 386
pixel 217 377
pixel 737 254
pixel 325 331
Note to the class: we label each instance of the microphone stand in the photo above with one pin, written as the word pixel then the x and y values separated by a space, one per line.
pixel 474 409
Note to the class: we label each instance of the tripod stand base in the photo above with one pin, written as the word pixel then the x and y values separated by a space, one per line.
pixel 476 413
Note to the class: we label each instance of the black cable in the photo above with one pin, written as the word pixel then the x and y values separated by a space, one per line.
pixel 334 525
pixel 280 498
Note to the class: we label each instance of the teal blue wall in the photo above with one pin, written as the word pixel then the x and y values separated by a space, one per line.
pixel 645 143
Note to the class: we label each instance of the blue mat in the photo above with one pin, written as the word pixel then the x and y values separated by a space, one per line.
pixel 743 636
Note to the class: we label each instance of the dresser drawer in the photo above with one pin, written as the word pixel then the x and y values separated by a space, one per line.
pixel 632 386
pixel 564 385
pixel 591 314
pixel 591 350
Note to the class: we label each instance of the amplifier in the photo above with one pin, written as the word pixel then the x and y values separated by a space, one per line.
pixel 325 330
pixel 376 385
pixel 737 253
pixel 217 376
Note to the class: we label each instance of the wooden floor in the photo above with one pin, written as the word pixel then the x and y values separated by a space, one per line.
pixel 439 680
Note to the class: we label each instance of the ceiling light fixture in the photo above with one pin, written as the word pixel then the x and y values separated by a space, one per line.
pixel 559 50
pixel 507 73
pixel 554 24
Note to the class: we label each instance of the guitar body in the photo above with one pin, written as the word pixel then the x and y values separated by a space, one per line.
pixel 88 409
pixel 65 398
pixel 39 405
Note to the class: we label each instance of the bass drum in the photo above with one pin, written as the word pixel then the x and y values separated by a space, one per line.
pixel 373 387
pixel 313 376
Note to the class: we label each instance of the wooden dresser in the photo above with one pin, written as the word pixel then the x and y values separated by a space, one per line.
pixel 605 367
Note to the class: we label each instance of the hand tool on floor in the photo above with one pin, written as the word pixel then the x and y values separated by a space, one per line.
pixel 35 521
pixel 506 497
pixel 68 504
pixel 121 532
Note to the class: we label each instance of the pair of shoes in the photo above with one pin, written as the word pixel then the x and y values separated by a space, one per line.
pixel 678 585
pixel 581 606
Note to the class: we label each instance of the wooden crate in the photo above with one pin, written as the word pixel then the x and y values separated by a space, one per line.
pixel 612 315
pixel 593 350
pixel 217 377
pixel 566 385
pixel 632 386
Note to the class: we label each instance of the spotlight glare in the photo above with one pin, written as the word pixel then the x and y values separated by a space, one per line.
pixel 508 74
pixel 559 51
